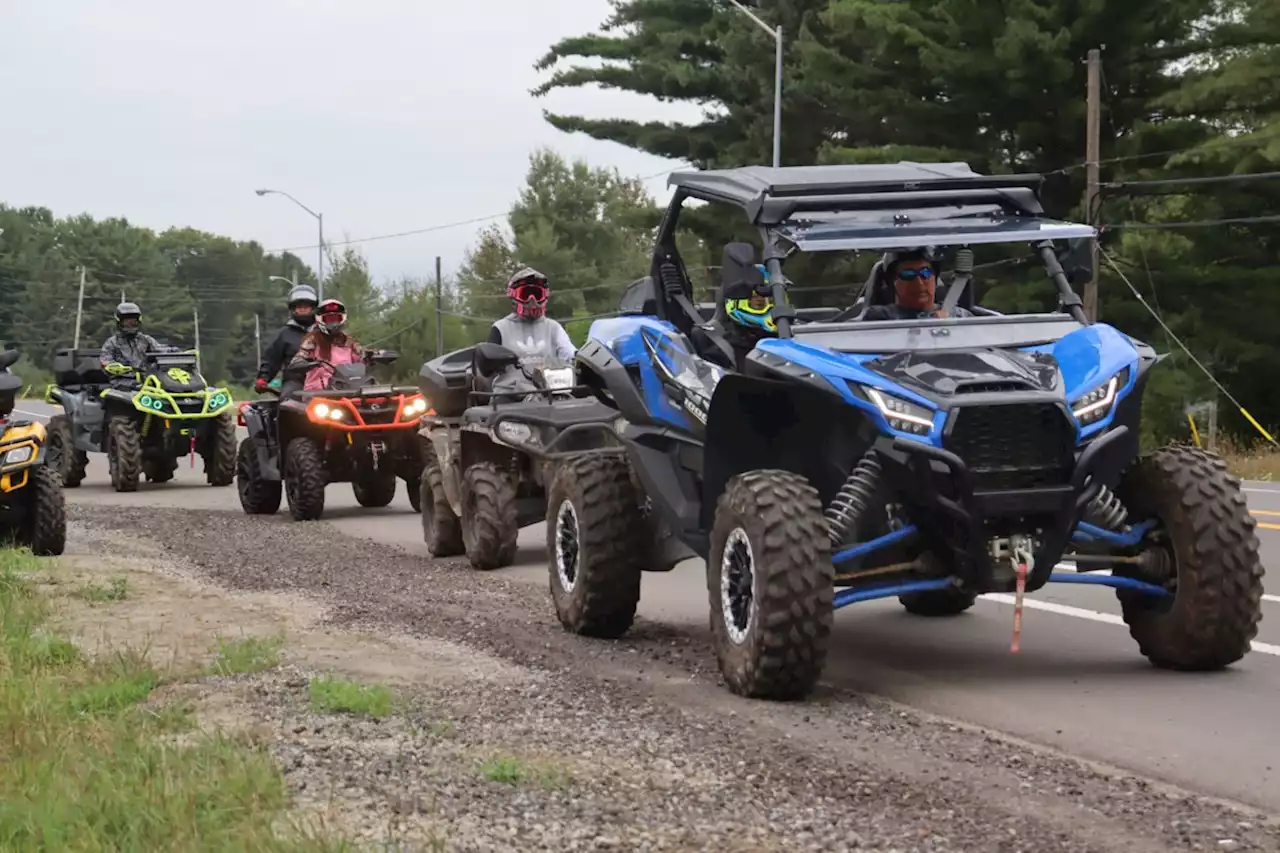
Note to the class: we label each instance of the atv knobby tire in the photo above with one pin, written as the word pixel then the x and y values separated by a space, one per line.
pixel 304 479
pixel 1214 616
pixel 441 530
pixel 124 454
pixel 938 602
pixel 414 488
pixel 595 545
pixel 46 521
pixel 257 496
pixel 375 490
pixel 220 460
pixel 70 464
pixel 489 523
pixel 783 644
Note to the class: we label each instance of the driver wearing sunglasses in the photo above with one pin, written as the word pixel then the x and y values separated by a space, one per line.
pixel 915 282
pixel 527 330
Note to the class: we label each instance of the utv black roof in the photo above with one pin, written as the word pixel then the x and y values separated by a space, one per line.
pixel 771 196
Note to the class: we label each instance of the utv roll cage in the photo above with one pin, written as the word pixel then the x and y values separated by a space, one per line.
pixel 854 207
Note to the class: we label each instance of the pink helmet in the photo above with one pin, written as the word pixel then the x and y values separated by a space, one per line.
pixel 529 292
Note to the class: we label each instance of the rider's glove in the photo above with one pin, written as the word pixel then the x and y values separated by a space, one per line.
pixel 260 385
pixel 118 369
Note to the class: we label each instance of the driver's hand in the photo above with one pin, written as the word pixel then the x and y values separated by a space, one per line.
pixel 117 369
pixel 260 385
pixel 942 313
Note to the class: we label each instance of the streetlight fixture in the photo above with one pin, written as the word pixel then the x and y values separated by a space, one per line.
pixel 320 251
pixel 776 32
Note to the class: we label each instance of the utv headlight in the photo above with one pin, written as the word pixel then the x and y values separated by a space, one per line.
pixel 902 415
pixel 18 455
pixel 415 408
pixel 1095 405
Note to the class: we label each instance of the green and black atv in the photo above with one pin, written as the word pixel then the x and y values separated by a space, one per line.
pixel 145 422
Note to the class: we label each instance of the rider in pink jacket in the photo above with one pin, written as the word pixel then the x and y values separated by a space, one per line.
pixel 327 341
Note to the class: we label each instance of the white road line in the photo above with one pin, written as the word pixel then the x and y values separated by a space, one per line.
pixel 1095 616
pixel 33 414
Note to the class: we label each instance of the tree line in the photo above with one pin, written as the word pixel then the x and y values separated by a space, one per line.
pixel 1190 92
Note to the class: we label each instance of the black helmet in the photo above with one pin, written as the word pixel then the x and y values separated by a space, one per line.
pixel 125 310
pixel 303 295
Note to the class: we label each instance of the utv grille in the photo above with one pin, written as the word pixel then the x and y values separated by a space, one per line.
pixel 386 414
pixel 991 387
pixel 1016 446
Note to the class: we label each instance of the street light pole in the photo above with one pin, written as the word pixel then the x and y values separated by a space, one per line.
pixel 320 249
pixel 776 32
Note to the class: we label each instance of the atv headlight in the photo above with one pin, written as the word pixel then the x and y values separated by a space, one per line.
pixel 155 404
pixel 18 455
pixel 1094 406
pixel 414 408
pixel 902 415
pixel 324 411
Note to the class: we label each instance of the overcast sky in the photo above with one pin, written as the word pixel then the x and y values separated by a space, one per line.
pixel 384 115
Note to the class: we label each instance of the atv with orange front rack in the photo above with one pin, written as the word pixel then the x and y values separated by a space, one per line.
pixel 355 431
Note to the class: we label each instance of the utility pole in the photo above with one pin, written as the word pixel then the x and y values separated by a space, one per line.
pixel 439 315
pixel 257 335
pixel 197 313
pixel 79 310
pixel 776 33
pixel 1093 111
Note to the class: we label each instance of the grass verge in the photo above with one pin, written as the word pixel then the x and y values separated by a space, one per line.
pixel 1258 461
pixel 338 696
pixel 84 768
pixel 247 654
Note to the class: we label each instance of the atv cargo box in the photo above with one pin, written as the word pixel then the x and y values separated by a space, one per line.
pixel 446 382
pixel 79 367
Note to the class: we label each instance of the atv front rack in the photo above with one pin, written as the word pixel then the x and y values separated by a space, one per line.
pixel 550 451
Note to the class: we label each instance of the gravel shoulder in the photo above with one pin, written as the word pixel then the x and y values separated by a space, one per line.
pixel 509 733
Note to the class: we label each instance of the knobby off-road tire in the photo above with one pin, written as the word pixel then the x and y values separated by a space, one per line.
pixel 595 545
pixel 780 651
pixel 375 491
pixel 489 524
pixel 69 463
pixel 220 463
pixel 257 496
pixel 46 521
pixel 441 529
pixel 414 489
pixel 124 454
pixel 304 479
pixel 1214 616
pixel 938 602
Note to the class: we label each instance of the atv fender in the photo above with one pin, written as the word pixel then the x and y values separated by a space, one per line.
pixel 88 419
pixel 268 463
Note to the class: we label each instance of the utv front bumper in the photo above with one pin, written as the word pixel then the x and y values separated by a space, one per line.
pixel 958 512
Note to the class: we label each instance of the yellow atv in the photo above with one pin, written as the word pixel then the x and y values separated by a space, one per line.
pixel 32 509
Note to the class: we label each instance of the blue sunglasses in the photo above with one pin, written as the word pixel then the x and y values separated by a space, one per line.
pixel 908 275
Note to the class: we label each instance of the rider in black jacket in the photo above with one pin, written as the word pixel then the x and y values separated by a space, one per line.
pixel 302 306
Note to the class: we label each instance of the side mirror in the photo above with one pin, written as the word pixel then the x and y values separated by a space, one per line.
pixel 9 358
pixel 1077 260
pixel 491 358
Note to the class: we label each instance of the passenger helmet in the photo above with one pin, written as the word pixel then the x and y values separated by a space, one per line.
pixel 331 316
pixel 529 292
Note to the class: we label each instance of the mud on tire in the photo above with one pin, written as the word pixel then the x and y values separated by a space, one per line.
pixel 124 454
pixel 304 479
pixel 375 490
pixel 46 523
pixel 775 645
pixel 1206 521
pixel 489 524
pixel 220 460
pixel 257 496
pixel 595 545
pixel 441 530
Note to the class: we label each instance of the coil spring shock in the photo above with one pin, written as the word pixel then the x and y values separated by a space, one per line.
pixel 1106 510
pixel 849 504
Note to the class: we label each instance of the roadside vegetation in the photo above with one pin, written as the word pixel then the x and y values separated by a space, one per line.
pixel 84 768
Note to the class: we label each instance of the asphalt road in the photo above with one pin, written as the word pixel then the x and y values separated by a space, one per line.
pixel 1078 684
